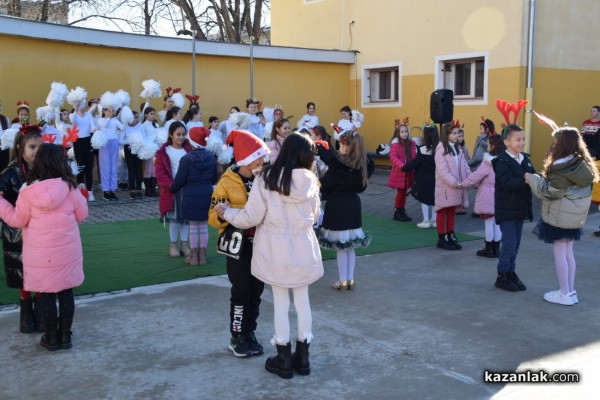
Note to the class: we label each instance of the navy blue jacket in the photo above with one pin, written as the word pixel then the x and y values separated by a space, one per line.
pixel 512 196
pixel 195 177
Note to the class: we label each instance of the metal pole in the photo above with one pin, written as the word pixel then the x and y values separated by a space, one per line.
pixel 193 62
pixel 529 89
pixel 251 67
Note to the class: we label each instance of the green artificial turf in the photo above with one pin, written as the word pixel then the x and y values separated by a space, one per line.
pixel 128 254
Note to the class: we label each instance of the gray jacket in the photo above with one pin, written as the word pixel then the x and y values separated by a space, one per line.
pixel 481 145
pixel 562 208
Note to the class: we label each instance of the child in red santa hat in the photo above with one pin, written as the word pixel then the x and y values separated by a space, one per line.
pixel 234 187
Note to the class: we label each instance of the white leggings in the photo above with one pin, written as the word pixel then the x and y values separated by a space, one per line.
pixel 425 210
pixel 346 260
pixel 492 230
pixel 181 230
pixel 281 306
pixel 564 261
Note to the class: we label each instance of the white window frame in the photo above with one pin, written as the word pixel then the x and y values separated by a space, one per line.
pixel 366 85
pixel 440 61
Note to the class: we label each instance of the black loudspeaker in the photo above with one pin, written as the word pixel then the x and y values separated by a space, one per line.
pixel 441 108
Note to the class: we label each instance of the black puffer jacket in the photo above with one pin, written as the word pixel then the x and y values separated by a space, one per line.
pixel 340 186
pixel 423 188
pixel 512 196
pixel 11 180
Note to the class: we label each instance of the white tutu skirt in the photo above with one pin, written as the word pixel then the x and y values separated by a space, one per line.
pixel 343 240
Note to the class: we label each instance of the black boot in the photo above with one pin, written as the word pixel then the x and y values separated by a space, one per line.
pixel 40 324
pixel 454 240
pixel 487 251
pixel 50 338
pixel 27 320
pixel 400 215
pixel 147 192
pixel 300 358
pixel 65 333
pixel 496 249
pixel 515 278
pixel 444 242
pixel 281 364
pixel 153 192
pixel 504 281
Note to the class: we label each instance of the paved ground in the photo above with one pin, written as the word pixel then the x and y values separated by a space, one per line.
pixel 421 324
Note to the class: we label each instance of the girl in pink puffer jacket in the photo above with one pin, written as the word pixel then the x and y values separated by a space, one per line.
pixel 450 170
pixel 485 179
pixel 48 209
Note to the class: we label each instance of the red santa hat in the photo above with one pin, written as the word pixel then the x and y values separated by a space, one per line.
pixel 246 147
pixel 198 135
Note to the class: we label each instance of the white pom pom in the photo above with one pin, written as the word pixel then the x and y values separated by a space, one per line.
pixel 240 120
pixel 108 99
pixel 148 150
pixel 178 100
pixel 77 97
pixel 161 136
pixel 225 156
pixel 58 94
pixel 124 97
pixel 136 141
pixel 99 139
pixel 7 141
pixel 71 153
pixel 126 115
pixel 151 89
pixel 357 116
pixel 45 113
pixel 269 112
pixel 214 142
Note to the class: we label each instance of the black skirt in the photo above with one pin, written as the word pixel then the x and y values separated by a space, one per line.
pixel 549 233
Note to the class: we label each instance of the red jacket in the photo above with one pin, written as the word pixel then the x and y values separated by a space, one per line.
pixel 398 178
pixel 164 177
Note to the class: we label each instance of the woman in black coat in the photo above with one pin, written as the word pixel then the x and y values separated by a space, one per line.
pixel 423 188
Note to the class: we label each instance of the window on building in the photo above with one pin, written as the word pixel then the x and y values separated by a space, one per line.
pixel 465 78
pixel 466 75
pixel 381 85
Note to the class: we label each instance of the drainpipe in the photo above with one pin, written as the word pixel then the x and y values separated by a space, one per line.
pixel 529 89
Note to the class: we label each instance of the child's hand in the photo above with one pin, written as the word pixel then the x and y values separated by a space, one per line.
pixel 527 175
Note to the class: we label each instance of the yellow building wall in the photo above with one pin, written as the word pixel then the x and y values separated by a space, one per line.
pixel 221 82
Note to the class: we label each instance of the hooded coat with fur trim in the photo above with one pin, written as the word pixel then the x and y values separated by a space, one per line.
pixel 485 180
pixel 48 212
pixel 286 251
pixel 447 173
pixel 164 177
pixel 398 178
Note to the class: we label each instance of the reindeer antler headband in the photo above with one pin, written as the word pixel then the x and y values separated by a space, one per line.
pixel 506 109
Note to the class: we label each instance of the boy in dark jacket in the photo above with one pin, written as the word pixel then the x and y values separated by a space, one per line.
pixel 512 204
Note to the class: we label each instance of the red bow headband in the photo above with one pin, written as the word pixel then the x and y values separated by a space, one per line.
pixel 456 123
pixel 344 137
pixel 192 99
pixel 27 127
pixel 170 91
pixel 22 104
pixel 506 108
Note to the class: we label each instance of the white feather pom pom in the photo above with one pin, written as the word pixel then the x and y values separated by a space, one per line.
pixel 7 141
pixel 99 139
pixel 75 169
pixel 108 99
pixel 71 153
pixel 148 150
pixel 240 120
pixel 357 116
pixel 58 94
pixel 214 143
pixel 136 141
pixel 126 115
pixel 162 135
pixel 225 156
pixel 151 89
pixel 178 100
pixel 77 97
pixel 45 113
pixel 269 112
pixel 124 97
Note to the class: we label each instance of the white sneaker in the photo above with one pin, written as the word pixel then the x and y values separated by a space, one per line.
pixel 558 298
pixel 433 224
pixel 91 196
pixel 573 295
pixel 424 224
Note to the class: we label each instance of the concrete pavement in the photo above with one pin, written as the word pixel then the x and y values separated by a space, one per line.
pixel 421 324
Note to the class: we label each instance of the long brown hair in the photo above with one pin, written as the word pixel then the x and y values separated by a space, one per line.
pixel 569 143
pixel 357 154
pixel 446 129
pixel 51 162
pixel 406 143
pixel 19 145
